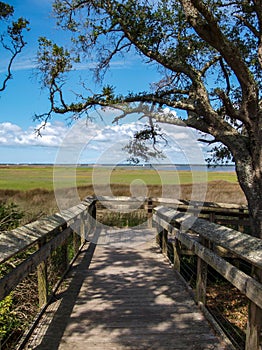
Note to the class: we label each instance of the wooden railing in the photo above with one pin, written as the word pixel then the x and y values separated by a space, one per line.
pixel 41 238
pixel 205 240
pixel 44 236
pixel 47 234
pixel 221 213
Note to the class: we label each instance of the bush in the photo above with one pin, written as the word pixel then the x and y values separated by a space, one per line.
pixel 8 319
pixel 10 216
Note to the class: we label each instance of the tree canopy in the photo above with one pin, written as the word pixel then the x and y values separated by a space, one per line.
pixel 11 38
pixel 209 54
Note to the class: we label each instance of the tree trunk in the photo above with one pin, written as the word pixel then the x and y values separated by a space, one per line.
pixel 249 176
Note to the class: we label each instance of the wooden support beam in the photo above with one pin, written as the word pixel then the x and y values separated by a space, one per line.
pixel 245 283
pixel 254 323
pixel 176 253
pixel 10 281
pixel 83 237
pixel 76 242
pixel 149 212
pixel 239 244
pixel 201 282
pixel 42 278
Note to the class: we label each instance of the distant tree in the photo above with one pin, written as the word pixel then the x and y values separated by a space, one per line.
pixel 11 38
pixel 210 57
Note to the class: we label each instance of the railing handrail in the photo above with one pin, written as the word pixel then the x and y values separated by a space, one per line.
pixel 225 209
pixel 46 234
pixel 203 239
pixel 205 204
pixel 17 240
pixel 244 246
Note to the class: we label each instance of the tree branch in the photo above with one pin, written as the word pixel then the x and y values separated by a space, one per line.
pixel 205 24
pixel 18 43
pixel 248 25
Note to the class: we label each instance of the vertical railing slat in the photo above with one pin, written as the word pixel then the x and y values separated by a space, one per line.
pixel 42 278
pixel 254 323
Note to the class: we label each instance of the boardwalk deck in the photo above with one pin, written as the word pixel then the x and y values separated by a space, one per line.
pixel 123 298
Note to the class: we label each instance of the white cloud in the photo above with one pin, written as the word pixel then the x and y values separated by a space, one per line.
pixel 167 110
pixel 13 135
pixel 94 143
pixel 52 134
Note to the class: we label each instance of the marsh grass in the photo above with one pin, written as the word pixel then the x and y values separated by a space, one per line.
pixel 121 220
pixel 32 188
pixel 38 202
pixel 26 178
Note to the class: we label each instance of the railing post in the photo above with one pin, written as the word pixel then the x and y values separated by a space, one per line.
pixel 176 252
pixel 90 224
pixel 42 278
pixel 149 212
pixel 76 242
pixel 161 238
pixel 164 242
pixel 212 216
pixel 201 281
pixel 64 256
pixel 254 323
pixel 82 228
pixel 159 235
pixel 241 227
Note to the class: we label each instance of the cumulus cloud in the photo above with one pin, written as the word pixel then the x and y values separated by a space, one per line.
pixel 93 142
pixel 57 134
pixel 84 134
pixel 14 135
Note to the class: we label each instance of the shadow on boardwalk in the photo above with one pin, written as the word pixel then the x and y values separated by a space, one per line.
pixel 124 299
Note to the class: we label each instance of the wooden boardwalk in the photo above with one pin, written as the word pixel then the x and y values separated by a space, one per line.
pixel 123 296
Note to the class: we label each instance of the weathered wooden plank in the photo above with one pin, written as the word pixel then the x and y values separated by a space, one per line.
pixel 21 238
pixel 11 280
pixel 42 279
pixel 222 208
pixel 126 299
pixel 204 205
pixel 120 199
pixel 70 214
pixel 245 246
pixel 253 332
pixel 246 284
pixel 163 224
pixel 201 281
pixel 121 204
pixel 15 241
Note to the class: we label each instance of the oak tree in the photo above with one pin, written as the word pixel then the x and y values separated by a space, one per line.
pixel 209 53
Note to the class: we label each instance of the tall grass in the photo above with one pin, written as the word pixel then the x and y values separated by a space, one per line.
pixel 39 202
pixel 30 177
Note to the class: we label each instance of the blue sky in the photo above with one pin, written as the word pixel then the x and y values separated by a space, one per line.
pixel 24 98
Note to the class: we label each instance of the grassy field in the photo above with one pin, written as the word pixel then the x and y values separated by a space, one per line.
pixel 32 187
pixel 24 178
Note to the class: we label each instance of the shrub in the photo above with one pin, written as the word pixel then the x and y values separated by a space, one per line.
pixel 8 319
pixel 10 216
